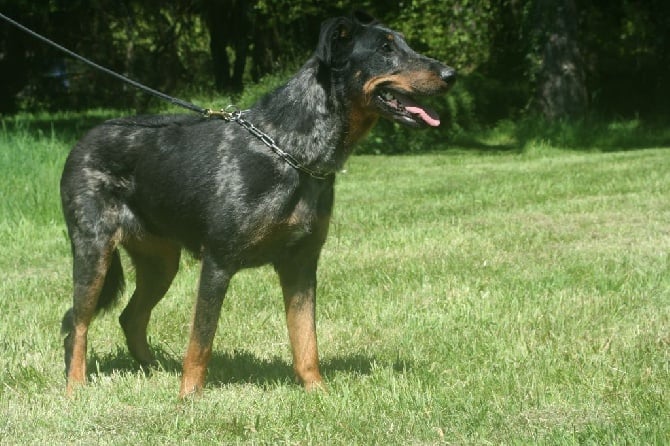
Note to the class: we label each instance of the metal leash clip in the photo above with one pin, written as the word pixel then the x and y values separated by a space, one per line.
pixel 228 114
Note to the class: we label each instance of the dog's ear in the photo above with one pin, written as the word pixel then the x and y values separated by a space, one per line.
pixel 335 41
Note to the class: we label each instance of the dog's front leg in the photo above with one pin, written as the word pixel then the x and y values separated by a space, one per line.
pixel 214 282
pixel 299 288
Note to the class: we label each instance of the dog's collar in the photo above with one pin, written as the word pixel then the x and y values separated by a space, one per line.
pixel 233 114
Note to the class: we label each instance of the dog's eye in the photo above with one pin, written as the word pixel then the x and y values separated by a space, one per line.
pixel 387 47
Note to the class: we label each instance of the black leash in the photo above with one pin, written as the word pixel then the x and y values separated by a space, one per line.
pixel 228 116
pixel 136 84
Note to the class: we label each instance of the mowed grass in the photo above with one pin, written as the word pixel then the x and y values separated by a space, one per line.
pixel 509 297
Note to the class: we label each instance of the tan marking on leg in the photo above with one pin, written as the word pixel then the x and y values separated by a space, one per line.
pixel 301 325
pixel 76 368
pixel 194 369
pixel 76 375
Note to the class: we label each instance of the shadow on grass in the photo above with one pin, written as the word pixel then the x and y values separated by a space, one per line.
pixel 240 367
pixel 518 136
pixel 596 134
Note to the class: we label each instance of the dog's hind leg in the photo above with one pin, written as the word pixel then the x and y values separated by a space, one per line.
pixel 98 281
pixel 156 263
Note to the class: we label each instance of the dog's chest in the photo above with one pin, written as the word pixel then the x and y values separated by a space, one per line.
pixel 300 222
pixel 278 231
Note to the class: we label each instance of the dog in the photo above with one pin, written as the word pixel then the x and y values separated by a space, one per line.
pixel 236 196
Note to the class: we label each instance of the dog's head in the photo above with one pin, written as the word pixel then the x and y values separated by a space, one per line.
pixel 381 75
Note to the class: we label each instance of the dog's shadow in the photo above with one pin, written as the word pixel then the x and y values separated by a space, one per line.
pixel 238 367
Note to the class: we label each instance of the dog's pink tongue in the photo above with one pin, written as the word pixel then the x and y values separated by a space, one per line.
pixel 428 115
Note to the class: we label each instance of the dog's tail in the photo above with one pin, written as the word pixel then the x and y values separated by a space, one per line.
pixel 114 284
pixel 112 289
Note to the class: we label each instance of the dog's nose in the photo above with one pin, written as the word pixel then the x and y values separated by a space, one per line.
pixel 448 75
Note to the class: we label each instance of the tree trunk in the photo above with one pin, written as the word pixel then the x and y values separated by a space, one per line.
pixel 560 89
pixel 14 67
pixel 229 28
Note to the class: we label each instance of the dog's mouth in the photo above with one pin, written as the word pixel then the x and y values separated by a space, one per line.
pixel 404 109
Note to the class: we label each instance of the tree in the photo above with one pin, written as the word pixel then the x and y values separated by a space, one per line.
pixel 13 66
pixel 560 85
pixel 229 25
pixel 560 56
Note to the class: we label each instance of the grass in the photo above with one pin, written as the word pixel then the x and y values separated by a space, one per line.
pixel 465 297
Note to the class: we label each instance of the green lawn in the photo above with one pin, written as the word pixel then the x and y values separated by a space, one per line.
pixel 465 297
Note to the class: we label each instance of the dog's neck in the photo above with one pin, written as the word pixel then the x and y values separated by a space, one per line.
pixel 308 117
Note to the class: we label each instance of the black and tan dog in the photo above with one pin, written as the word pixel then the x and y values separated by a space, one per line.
pixel 155 185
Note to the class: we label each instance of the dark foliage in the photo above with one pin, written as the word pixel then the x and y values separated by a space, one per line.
pixel 554 57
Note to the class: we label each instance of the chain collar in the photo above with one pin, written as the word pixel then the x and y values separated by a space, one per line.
pixel 233 114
